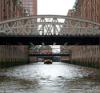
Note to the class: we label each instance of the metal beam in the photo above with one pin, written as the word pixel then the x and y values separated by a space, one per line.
pixel 67 54
pixel 49 40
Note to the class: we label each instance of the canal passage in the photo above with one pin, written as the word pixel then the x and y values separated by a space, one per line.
pixel 55 78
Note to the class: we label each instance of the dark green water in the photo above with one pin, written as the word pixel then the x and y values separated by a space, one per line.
pixel 56 78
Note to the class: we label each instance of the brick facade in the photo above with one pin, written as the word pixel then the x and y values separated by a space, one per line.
pixel 6 9
pixel 87 9
pixel 16 8
pixel 30 6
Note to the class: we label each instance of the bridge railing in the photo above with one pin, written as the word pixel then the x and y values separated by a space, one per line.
pixel 49 25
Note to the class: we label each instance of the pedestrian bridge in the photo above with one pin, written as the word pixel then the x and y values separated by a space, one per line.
pixel 49 29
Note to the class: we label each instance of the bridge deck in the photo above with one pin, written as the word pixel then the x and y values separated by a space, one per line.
pixel 49 40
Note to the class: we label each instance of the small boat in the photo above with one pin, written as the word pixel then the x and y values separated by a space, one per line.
pixel 48 61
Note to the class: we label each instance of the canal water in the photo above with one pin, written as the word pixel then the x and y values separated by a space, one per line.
pixel 55 78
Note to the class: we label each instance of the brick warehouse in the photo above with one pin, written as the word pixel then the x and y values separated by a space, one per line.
pixel 87 9
pixel 17 8
pixel 30 6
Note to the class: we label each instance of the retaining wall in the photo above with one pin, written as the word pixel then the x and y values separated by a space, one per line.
pixel 85 55
pixel 11 55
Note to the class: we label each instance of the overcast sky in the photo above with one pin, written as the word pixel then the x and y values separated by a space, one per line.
pixel 55 7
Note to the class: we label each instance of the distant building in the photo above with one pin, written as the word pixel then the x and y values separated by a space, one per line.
pixel 71 13
pixel 30 7
pixel 42 50
pixel 46 49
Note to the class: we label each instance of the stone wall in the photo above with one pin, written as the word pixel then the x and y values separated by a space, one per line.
pixel 13 55
pixel 84 55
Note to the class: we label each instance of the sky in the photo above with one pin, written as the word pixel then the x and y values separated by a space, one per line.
pixel 54 7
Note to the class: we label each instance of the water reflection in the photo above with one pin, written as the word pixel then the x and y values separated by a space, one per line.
pixel 55 78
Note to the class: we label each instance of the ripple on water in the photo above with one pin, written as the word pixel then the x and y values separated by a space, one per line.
pixel 55 78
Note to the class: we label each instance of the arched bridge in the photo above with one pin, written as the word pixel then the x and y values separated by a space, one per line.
pixel 49 29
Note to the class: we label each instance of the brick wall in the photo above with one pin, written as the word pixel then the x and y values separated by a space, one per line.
pixel 87 9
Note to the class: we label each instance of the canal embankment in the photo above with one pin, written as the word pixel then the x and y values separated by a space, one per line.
pixel 84 55
pixel 13 55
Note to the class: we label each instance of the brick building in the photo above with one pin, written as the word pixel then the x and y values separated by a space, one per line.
pixel 71 13
pixel 17 8
pixel 30 7
pixel 6 9
pixel 10 9
pixel 87 9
